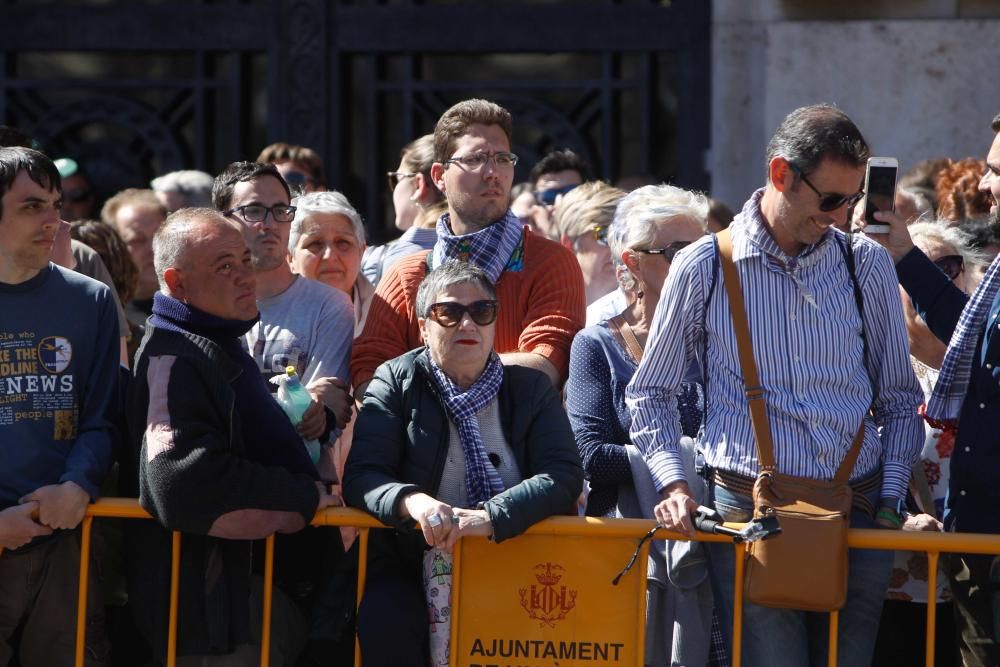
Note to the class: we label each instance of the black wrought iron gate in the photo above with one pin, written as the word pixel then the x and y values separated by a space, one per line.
pixel 136 88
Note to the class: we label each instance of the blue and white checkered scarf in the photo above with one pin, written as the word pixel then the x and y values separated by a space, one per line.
pixel 953 381
pixel 482 481
pixel 489 249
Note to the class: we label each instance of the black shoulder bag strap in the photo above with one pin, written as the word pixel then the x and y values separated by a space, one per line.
pixel 847 250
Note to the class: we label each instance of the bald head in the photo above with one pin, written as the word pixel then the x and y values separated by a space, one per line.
pixel 179 233
pixel 202 259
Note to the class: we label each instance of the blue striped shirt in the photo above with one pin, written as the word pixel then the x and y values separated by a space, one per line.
pixel 806 333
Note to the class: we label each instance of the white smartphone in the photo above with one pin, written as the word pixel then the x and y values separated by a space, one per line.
pixel 880 191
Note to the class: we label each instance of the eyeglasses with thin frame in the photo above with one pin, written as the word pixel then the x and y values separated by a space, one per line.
pixel 829 202
pixel 666 252
pixel 396 176
pixel 450 313
pixel 950 265
pixel 254 213
pixel 476 161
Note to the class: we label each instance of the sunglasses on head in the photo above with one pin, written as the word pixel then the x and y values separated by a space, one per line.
pixel 829 202
pixel 950 265
pixel 450 313
pixel 667 252
pixel 548 197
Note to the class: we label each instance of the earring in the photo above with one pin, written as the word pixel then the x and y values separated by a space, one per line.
pixel 639 295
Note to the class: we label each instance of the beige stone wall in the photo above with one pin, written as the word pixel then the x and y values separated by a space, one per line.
pixel 917 77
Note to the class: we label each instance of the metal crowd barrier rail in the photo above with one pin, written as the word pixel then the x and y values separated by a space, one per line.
pixel 933 544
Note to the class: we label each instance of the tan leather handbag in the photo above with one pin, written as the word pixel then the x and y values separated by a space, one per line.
pixel 805 567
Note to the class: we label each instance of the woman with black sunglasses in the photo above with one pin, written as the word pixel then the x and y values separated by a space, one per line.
pixel 449 443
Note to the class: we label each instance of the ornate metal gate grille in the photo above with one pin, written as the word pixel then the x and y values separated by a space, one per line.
pixel 138 88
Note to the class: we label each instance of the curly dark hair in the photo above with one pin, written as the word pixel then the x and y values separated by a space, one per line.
pixel 957 191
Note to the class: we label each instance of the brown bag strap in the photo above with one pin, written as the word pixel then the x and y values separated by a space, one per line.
pixel 623 333
pixel 751 381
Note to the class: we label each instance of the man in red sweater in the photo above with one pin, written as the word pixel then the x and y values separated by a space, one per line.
pixel 539 284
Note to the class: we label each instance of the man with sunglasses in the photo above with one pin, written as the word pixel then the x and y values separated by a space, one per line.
pixel 966 400
pixel 303 323
pixel 539 285
pixel 552 178
pixel 825 367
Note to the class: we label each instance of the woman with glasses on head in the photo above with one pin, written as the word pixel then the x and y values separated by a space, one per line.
pixel 651 225
pixel 449 442
pixel 417 203
pixel 905 611
pixel 582 221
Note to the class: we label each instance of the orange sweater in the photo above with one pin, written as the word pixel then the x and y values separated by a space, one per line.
pixel 541 309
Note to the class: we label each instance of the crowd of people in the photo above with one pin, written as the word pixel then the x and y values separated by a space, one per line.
pixel 559 346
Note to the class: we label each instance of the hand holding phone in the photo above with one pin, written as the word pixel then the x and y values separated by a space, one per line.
pixel 880 191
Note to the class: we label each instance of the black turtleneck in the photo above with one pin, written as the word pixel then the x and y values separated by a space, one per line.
pixel 268 435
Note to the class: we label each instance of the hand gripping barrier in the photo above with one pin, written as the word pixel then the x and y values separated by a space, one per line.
pixel 557 528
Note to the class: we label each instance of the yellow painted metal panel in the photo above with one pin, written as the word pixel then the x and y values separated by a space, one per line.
pixel 548 601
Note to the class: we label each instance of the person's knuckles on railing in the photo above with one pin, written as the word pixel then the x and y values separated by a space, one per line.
pixel 18 525
pixel 60 506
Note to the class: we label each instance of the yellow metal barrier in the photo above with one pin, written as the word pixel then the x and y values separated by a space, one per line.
pixel 931 543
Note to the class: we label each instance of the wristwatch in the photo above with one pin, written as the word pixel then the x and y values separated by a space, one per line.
pixel 891 511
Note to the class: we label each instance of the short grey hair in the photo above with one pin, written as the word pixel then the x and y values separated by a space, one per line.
pixel 447 275
pixel 641 212
pixel 171 240
pixel 330 202
pixel 944 231
pixel 195 186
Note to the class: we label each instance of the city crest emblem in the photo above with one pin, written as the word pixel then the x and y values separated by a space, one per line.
pixel 548 602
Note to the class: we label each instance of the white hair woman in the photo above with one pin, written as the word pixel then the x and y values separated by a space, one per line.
pixel 326 242
pixel 651 225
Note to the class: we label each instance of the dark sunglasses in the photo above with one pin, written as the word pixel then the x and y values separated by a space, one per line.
pixel 667 252
pixel 296 180
pixel 829 202
pixel 950 265
pixel 450 313
pixel 548 197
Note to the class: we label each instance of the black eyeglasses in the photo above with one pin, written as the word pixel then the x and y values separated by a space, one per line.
pixel 829 202
pixel 254 213
pixel 476 161
pixel 396 176
pixel 667 252
pixel 950 265
pixel 548 197
pixel 449 313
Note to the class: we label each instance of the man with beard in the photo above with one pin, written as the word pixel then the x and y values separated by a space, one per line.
pixel 967 398
pixel 303 323
pixel 539 284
